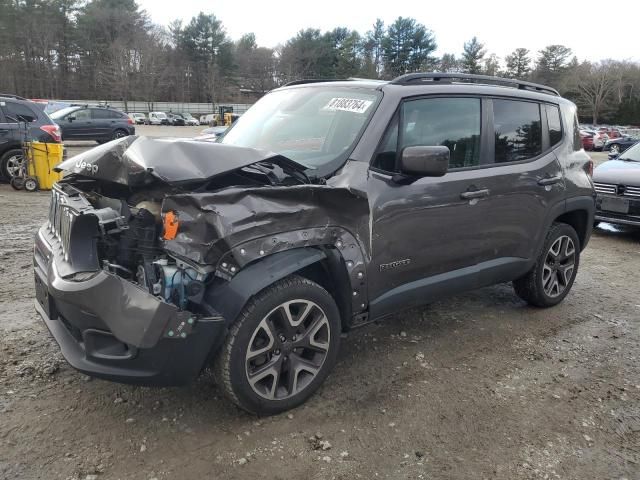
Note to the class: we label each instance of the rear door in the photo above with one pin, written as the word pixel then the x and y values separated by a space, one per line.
pixel 525 179
pixel 102 122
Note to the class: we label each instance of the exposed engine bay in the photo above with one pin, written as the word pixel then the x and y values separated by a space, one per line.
pixel 130 222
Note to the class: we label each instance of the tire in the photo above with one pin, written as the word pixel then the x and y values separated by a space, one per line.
pixel 17 183
pixel 31 184
pixel 255 348
pixel 8 163
pixel 119 133
pixel 557 264
pixel 615 148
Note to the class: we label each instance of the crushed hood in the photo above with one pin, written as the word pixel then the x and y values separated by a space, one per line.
pixel 132 160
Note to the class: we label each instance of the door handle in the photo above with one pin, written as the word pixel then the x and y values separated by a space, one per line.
pixel 543 182
pixel 475 194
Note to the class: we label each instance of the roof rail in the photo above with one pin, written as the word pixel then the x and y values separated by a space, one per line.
pixel 11 95
pixel 411 78
pixel 316 80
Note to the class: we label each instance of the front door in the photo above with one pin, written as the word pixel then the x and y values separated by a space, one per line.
pixel 429 233
pixel 78 125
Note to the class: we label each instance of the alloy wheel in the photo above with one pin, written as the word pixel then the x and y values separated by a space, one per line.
pixel 14 165
pixel 119 134
pixel 288 349
pixel 615 148
pixel 559 266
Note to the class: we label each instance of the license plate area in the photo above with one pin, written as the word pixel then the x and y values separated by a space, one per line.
pixel 614 204
pixel 42 296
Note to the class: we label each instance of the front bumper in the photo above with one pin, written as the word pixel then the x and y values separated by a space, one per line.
pixel 632 217
pixel 110 328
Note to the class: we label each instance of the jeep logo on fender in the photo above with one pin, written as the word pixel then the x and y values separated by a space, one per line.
pixel 396 264
pixel 92 169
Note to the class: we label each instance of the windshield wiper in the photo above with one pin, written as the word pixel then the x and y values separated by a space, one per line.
pixel 627 159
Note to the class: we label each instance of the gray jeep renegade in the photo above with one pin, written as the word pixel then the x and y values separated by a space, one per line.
pixel 327 205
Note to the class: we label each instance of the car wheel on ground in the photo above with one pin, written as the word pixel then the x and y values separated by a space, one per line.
pixel 11 163
pixel 552 276
pixel 615 148
pixel 281 348
pixel 119 134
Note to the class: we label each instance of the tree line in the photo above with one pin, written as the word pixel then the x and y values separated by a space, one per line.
pixel 110 49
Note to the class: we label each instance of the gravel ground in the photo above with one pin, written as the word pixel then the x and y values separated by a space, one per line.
pixel 474 386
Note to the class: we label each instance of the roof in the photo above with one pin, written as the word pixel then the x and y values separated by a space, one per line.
pixel 432 79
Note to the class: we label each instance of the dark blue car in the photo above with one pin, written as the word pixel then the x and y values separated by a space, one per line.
pixel 618 145
pixel 93 123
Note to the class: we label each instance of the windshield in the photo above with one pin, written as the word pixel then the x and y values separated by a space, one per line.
pixel 632 154
pixel 62 112
pixel 160 115
pixel 313 126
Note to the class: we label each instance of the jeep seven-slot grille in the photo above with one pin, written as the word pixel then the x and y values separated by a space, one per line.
pixel 621 190
pixel 61 218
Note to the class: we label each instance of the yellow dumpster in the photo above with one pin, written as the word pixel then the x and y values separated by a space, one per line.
pixel 44 157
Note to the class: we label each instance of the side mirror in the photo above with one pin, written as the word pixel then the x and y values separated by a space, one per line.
pixel 71 118
pixel 425 161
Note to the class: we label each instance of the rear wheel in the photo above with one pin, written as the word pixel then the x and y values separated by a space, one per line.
pixel 281 348
pixel 615 148
pixel 552 277
pixel 119 134
pixel 11 163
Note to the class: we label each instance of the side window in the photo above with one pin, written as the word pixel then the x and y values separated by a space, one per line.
pixel 81 115
pixel 555 126
pixel 518 132
pixel 450 122
pixel 100 113
pixel 386 157
pixel 18 112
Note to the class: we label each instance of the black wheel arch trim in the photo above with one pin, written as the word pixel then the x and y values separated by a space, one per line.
pixel 230 297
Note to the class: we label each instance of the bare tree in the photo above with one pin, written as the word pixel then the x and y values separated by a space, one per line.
pixel 596 85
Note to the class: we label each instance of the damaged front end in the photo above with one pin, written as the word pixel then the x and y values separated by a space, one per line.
pixel 129 301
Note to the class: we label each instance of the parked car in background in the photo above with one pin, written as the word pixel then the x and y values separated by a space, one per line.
pixel 190 119
pixel 592 139
pixel 158 118
pixel 16 115
pixel 610 132
pixel 619 145
pixel 208 119
pixel 617 184
pixel 176 120
pixel 93 123
pixel 138 118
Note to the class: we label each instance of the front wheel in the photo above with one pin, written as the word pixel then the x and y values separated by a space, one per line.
pixel 552 277
pixel 281 348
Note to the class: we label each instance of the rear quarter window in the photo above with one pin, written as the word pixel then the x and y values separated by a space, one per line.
pixel 555 125
pixel 17 112
pixel 518 132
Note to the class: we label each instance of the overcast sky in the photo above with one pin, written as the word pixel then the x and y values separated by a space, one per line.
pixel 584 26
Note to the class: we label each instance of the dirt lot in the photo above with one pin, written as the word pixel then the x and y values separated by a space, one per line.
pixel 471 387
